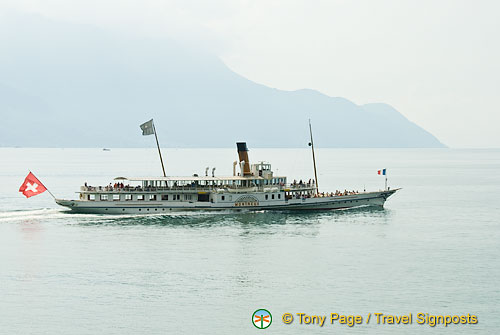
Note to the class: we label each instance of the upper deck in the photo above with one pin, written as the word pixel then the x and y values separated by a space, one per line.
pixel 257 177
pixel 199 184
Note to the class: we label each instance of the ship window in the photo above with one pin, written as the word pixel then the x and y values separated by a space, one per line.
pixel 104 197
pixel 223 198
pixel 272 196
pixel 279 196
pixel 140 197
pixel 187 196
pixel 116 197
pixel 267 196
pixel 164 197
pixel 128 197
pixel 152 197
pixel 91 197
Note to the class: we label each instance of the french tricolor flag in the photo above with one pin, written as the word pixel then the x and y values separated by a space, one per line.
pixel 382 172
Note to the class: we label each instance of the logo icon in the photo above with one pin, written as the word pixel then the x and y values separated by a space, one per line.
pixel 262 319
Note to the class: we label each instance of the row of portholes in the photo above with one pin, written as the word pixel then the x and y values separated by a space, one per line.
pixel 147 209
pixel 238 204
pixel 345 202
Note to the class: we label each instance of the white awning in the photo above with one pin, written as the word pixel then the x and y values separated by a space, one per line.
pixel 193 178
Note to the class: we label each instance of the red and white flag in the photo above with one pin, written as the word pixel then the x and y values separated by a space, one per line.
pixel 32 186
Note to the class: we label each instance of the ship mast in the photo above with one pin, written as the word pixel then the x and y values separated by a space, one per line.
pixel 159 151
pixel 311 144
pixel 148 128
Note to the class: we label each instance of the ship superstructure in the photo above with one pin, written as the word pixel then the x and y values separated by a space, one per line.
pixel 253 187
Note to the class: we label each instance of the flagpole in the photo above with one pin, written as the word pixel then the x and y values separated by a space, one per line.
pixel 50 192
pixel 159 151
pixel 314 159
pixel 386 180
pixel 43 185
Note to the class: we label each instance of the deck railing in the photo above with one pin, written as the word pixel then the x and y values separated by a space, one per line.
pixel 139 189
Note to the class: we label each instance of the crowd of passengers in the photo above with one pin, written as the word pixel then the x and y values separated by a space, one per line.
pixel 338 193
pixel 111 187
pixel 303 184
pixel 119 186
pixel 325 194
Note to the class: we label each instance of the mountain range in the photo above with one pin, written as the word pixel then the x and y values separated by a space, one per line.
pixel 71 85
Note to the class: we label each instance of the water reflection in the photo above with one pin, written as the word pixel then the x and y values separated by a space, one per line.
pixel 32 233
pixel 31 229
pixel 242 219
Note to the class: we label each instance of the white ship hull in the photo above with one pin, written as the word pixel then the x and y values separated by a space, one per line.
pixel 258 203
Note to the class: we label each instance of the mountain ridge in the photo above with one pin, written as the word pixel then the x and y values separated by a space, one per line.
pixel 84 87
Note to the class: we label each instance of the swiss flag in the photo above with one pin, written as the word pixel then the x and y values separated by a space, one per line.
pixel 31 186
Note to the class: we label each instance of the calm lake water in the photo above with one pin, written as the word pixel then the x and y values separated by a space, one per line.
pixel 433 249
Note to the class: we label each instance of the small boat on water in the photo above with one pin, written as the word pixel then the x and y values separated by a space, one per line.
pixel 254 187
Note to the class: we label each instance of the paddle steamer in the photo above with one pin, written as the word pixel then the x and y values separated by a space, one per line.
pixel 251 187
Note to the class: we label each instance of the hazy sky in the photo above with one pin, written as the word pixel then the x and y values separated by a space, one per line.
pixel 437 62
